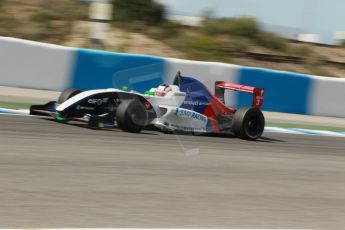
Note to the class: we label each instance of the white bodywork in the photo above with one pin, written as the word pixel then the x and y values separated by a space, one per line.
pixel 170 115
pixel 83 95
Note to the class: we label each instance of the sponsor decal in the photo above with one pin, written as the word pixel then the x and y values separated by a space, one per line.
pixel 79 107
pixel 188 129
pixel 190 114
pixel 97 101
pixel 195 103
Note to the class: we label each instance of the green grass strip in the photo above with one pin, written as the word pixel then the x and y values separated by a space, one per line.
pixel 304 126
pixel 14 105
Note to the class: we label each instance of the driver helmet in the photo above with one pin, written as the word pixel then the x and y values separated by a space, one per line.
pixel 163 89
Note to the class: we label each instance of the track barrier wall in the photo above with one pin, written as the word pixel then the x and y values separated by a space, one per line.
pixel 29 64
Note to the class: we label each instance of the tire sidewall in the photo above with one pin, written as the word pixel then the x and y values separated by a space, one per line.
pixel 241 119
pixel 131 116
pixel 67 94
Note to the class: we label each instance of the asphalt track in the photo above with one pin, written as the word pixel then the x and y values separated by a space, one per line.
pixel 54 175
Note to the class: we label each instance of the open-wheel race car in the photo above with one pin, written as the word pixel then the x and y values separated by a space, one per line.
pixel 186 105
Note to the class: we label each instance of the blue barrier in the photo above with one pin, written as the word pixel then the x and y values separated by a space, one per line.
pixel 284 91
pixel 101 69
pixel 58 67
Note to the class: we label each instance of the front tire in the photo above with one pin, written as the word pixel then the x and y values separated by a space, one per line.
pixel 67 94
pixel 131 116
pixel 249 123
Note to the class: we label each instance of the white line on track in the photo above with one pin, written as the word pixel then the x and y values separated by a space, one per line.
pixel 150 229
pixel 14 111
pixel 26 112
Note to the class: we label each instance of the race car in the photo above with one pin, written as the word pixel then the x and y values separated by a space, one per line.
pixel 186 105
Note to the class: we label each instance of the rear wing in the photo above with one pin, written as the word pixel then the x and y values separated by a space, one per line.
pixel 258 93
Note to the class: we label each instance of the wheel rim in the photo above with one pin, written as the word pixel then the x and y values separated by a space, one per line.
pixel 138 116
pixel 253 126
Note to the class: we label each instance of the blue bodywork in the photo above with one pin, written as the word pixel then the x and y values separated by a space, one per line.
pixel 197 95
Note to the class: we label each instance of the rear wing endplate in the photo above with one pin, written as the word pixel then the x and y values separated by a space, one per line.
pixel 258 93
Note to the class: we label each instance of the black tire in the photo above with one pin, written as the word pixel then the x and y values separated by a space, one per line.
pixel 131 116
pixel 67 94
pixel 248 123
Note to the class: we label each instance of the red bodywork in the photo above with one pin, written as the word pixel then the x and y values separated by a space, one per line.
pixel 217 107
pixel 258 93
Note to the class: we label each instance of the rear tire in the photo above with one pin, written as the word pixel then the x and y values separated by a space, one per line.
pixel 131 116
pixel 249 123
pixel 67 94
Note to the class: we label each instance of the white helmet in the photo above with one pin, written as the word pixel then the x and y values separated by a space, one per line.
pixel 163 89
